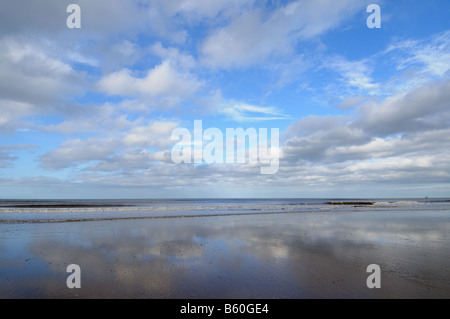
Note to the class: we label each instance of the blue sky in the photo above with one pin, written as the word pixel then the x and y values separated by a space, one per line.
pixel 89 113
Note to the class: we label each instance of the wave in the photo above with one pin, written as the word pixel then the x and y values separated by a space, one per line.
pixel 398 203
pixel 89 208
pixel 98 219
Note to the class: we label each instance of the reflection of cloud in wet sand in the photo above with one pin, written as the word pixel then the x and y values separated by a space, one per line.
pixel 283 256
pixel 126 267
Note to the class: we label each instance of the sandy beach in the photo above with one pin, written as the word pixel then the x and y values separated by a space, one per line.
pixel 224 150
pixel 303 255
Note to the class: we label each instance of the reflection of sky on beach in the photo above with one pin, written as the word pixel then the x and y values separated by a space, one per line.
pixel 281 256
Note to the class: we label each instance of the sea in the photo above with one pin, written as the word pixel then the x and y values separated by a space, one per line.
pixel 71 210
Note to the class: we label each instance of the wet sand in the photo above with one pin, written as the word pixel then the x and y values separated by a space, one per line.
pixel 304 255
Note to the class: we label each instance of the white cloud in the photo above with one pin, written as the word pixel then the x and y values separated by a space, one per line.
pixel 247 40
pixel 402 136
pixel 311 138
pixel 167 16
pixel 180 61
pixel 130 161
pixel 11 114
pixel 356 74
pixel 417 62
pixel 95 119
pixel 402 139
pixel 35 82
pixel 200 9
pixel 242 112
pixel 117 146
pixel 161 81
pixel 408 112
pixel 49 17
pixel 255 35
pixel 32 75
pixel 433 54
pixel 156 134
pixel 77 151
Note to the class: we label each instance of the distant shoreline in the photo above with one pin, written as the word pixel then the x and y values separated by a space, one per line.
pixel 63 206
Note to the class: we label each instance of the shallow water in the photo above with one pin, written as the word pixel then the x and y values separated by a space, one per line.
pixel 297 253
pixel 98 210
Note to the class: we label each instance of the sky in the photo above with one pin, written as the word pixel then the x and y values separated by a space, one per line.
pixel 89 112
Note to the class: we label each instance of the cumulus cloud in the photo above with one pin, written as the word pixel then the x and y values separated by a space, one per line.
pixel 11 114
pixel 403 116
pixel 367 146
pixel 34 82
pixel 255 35
pixel 167 16
pixel 77 151
pixel 157 134
pixel 94 119
pixel 310 138
pixel 423 108
pixel 404 138
pixel 110 151
pixel 32 75
pixel 163 80
pixel 102 90
pixel 130 161
pixel 49 17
